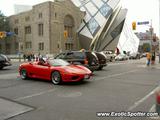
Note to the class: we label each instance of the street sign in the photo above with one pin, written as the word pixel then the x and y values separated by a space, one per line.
pixel 143 23
pixel 9 33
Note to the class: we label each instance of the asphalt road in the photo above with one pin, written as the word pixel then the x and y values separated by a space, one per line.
pixel 123 87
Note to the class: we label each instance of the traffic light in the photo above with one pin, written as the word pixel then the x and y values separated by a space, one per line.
pixel 133 25
pixel 2 34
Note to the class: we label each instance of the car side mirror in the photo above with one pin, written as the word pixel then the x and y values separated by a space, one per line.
pixel 47 64
pixel 30 63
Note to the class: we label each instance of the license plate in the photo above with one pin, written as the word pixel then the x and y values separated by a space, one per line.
pixel 86 76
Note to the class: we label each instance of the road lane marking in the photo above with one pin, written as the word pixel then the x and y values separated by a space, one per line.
pixel 70 94
pixel 136 104
pixel 115 75
pixel 153 110
pixel 34 95
pixel 113 64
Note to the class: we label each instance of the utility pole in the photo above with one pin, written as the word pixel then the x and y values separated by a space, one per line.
pixel 159 29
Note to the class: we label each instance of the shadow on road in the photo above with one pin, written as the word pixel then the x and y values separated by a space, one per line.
pixel 83 82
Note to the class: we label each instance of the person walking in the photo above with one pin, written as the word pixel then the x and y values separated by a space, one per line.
pixel 24 57
pixel 153 58
pixel 148 56
pixel 159 57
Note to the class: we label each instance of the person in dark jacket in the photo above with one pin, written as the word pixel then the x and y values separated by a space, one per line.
pixel 153 58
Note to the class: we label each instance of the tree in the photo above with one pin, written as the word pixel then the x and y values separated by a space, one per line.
pixel 4 23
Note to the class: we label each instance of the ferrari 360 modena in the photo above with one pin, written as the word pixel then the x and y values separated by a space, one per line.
pixel 55 70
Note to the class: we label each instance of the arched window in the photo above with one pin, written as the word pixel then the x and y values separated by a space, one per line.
pixel 68 25
pixel 68 28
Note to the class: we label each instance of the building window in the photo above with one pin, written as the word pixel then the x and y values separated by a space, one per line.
pixel 16 31
pixel 93 26
pixel 69 25
pixel 27 18
pixel 16 21
pixel 28 30
pixel 69 30
pixel 16 46
pixel 28 45
pixel 40 29
pixel 105 10
pixel 41 46
pixel 55 15
pixel 69 46
pixel 40 15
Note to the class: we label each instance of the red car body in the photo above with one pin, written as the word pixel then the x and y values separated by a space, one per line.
pixel 68 73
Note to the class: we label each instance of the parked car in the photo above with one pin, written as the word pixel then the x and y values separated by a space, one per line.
pixel 85 58
pixel 121 57
pixel 102 58
pixel 110 55
pixel 135 55
pixel 143 55
pixel 4 61
pixel 55 70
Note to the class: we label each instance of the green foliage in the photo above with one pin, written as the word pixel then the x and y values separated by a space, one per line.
pixel 4 23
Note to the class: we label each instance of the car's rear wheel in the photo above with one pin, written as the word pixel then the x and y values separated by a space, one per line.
pixel 1 67
pixel 100 68
pixel 23 74
pixel 56 77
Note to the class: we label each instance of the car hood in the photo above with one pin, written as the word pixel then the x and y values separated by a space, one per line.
pixel 76 69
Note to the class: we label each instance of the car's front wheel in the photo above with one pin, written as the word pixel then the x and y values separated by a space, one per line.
pixel 1 67
pixel 23 74
pixel 56 77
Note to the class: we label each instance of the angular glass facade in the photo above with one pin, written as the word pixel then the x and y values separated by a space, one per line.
pixel 102 25
pixel 97 12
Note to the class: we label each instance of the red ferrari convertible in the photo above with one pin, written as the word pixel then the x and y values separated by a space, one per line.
pixel 55 70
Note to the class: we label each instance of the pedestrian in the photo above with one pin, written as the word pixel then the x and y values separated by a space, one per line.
pixel 153 58
pixel 148 56
pixel 24 57
pixel 29 57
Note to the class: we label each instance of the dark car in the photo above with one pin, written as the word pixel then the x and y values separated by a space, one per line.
pixel 86 58
pixel 4 61
pixel 102 59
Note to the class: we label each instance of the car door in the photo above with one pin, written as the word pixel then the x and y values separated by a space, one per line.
pixel 42 71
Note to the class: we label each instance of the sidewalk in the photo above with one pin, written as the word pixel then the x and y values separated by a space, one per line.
pixel 9 108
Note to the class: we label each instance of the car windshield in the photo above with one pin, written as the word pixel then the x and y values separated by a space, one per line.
pixel 58 62
pixel 2 57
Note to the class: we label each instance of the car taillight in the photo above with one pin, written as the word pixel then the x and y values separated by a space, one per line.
pixel 85 61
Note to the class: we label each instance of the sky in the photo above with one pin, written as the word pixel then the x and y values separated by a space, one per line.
pixel 138 10
pixel 143 10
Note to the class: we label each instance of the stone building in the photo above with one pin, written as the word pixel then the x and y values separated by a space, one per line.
pixel 148 41
pixel 48 28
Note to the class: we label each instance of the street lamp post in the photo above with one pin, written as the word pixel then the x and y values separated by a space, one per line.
pixel 19 46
